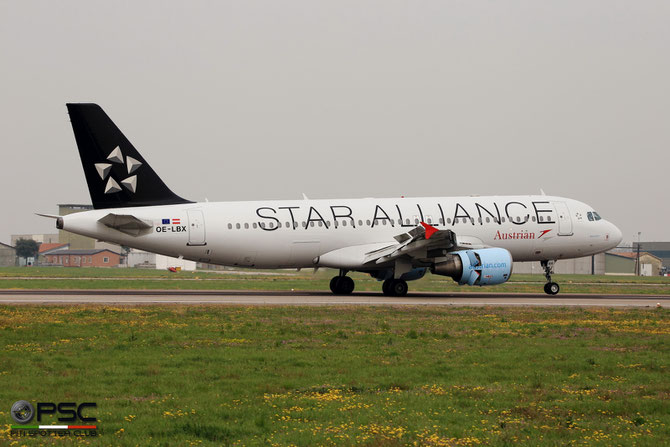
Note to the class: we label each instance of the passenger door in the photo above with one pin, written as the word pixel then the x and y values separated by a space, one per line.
pixel 564 220
pixel 196 228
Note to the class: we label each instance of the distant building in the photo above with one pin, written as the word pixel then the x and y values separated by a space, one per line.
pixel 659 249
pixel 141 259
pixel 624 263
pixel 47 249
pixel 165 262
pixel 589 265
pixel 84 258
pixel 145 259
pixel 7 255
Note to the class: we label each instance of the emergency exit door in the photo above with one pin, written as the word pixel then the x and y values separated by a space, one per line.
pixel 196 228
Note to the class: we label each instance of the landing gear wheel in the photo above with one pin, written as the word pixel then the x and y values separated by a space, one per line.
pixel 341 285
pixel 347 285
pixel 551 288
pixel 398 287
pixel 386 287
pixel 334 282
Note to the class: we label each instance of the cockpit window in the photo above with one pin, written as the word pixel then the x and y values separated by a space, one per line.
pixel 589 215
pixel 596 216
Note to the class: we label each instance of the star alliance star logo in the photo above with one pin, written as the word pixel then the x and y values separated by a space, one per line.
pixel 104 169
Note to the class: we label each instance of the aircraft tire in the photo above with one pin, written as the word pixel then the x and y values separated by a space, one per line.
pixel 334 281
pixel 398 287
pixel 346 285
pixel 342 285
pixel 386 287
pixel 551 288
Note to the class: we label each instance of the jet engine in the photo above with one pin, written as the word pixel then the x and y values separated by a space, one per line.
pixel 488 266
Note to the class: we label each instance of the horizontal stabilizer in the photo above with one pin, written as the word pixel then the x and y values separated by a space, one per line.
pixel 126 223
pixel 50 216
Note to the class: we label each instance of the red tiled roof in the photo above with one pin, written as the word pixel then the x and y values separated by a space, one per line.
pixel 47 247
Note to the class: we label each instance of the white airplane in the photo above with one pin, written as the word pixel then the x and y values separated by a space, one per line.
pixel 470 239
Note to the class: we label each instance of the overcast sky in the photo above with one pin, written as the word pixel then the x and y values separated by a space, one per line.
pixel 267 100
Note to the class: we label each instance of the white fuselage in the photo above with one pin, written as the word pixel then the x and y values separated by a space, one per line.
pixel 283 234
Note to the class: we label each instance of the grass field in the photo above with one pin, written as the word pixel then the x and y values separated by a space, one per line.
pixel 379 376
pixel 98 278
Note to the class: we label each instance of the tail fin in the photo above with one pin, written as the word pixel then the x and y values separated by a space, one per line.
pixel 116 173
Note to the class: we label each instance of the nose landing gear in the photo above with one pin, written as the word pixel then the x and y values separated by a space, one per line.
pixel 550 288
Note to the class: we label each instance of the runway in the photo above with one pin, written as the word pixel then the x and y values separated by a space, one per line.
pixel 283 298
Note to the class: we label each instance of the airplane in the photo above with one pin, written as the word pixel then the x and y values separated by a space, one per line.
pixel 474 240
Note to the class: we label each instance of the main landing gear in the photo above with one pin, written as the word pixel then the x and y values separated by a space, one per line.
pixel 394 287
pixel 550 288
pixel 342 284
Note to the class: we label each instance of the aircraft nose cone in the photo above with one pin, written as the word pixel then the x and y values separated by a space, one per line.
pixel 615 235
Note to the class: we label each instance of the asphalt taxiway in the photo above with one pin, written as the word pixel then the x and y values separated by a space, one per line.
pixel 301 298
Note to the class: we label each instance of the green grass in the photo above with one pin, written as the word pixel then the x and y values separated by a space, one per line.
pixel 305 280
pixel 379 376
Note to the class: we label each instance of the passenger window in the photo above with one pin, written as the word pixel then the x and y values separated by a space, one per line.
pixel 406 221
pixel 367 222
pixel 533 218
pixel 255 225
pixel 237 226
pixel 246 226
pixel 320 223
pixel 360 223
pixel 488 220
pixel 344 223
pixel 230 226
pixel 441 221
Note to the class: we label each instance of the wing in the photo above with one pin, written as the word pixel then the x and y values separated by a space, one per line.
pixel 126 223
pixel 423 243
pixel 416 243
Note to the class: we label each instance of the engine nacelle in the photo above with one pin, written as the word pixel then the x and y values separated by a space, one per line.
pixel 488 266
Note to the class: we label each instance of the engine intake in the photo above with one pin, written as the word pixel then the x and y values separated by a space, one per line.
pixel 488 266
